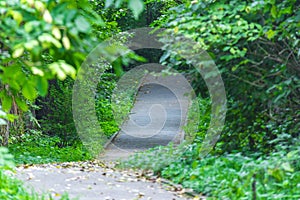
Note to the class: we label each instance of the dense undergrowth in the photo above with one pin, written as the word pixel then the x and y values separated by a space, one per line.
pixel 256 48
pixel 232 175
pixel 35 147
pixel 228 176
pixel 103 106
pixel 56 140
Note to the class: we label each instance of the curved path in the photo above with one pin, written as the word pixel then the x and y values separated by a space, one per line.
pixel 156 119
pixel 93 180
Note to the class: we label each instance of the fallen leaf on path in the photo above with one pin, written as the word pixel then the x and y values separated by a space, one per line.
pixel 30 176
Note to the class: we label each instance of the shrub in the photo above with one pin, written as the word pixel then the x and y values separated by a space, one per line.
pixel 35 147
pixel 231 176
pixel 55 114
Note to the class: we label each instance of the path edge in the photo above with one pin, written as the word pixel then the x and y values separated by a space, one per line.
pixel 113 137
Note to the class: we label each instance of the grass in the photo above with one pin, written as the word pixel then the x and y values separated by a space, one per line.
pixel 37 148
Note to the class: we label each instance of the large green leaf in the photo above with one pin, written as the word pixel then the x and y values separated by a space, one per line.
pixel 6 101
pixel 42 86
pixel 22 104
pixel 29 91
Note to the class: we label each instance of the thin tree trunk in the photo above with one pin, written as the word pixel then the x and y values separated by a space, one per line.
pixel 4 132
pixel 6 135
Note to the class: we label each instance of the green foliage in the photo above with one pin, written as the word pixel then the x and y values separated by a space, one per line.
pixel 55 113
pixel 113 110
pixel 136 6
pixel 35 147
pixel 231 176
pixel 103 106
pixel 256 47
pixel 198 120
pixel 155 159
pixel 11 188
pixel 6 159
pixel 235 176
pixel 41 40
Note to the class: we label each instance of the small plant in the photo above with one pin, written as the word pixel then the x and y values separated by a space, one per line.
pixel 6 159
pixel 198 120
pixel 155 159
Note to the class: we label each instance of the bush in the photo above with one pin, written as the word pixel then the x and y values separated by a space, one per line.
pixel 231 176
pixel 103 106
pixel 255 45
pixel 55 114
pixel 155 159
pixel 198 120
pixel 35 147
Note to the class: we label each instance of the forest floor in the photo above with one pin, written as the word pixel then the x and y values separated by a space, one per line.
pixel 156 119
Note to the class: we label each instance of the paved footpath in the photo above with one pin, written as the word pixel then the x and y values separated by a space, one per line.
pixel 156 119
pixel 94 181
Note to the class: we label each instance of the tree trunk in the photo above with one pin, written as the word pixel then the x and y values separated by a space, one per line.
pixel 4 132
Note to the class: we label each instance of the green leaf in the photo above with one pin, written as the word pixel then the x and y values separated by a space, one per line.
pixel 37 71
pixel 22 104
pixel 68 69
pixel 71 14
pixel 164 56
pixel 6 102
pixel 82 24
pixel 42 86
pixel 17 16
pixel 136 6
pixel 66 42
pixel 47 38
pixel 62 69
pixel 287 167
pixel 29 91
pixel 232 50
pixel 274 11
pixel 31 44
pixel 55 68
pixel 270 34
pixel 18 52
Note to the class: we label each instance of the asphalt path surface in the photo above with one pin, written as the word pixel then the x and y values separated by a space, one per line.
pixel 156 119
